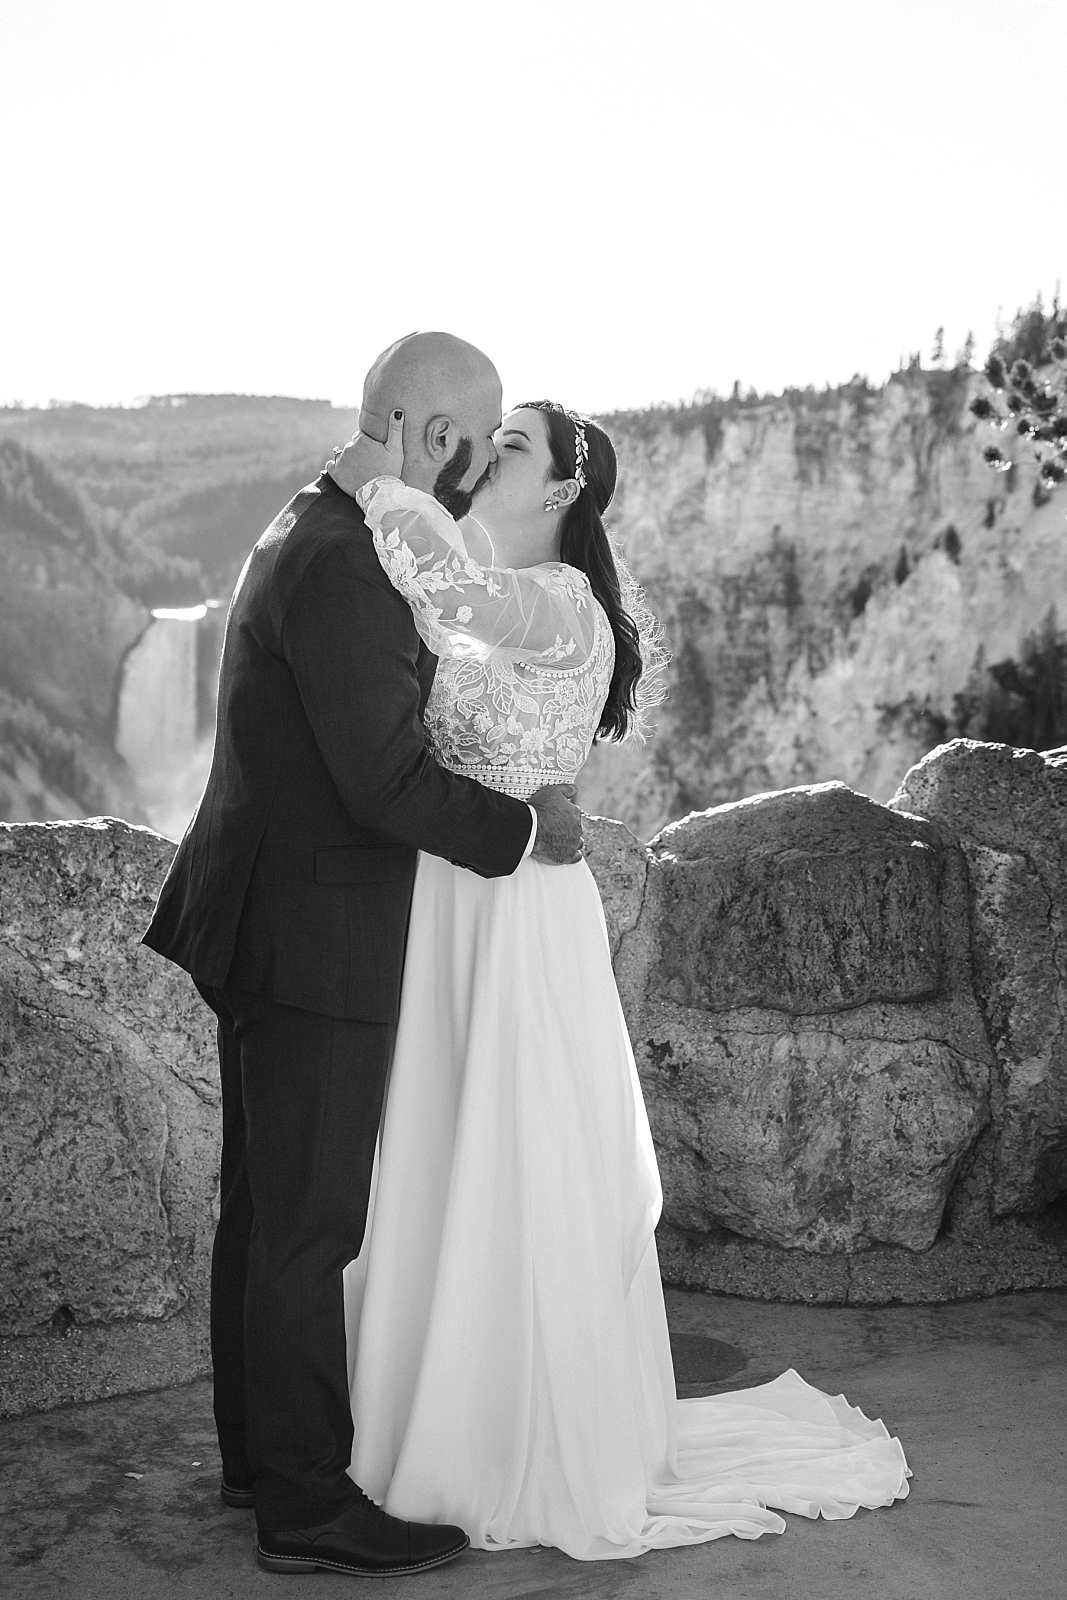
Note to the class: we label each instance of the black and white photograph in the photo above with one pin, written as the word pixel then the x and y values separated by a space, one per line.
pixel 533 799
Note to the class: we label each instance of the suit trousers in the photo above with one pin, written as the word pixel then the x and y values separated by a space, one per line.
pixel 301 1104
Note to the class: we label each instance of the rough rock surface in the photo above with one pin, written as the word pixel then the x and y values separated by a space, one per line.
pixel 813 1058
pixel 1008 810
pixel 832 570
pixel 620 866
pixel 797 974
pixel 109 1134
pixel 807 901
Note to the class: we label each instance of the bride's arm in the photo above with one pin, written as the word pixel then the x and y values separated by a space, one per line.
pixel 535 614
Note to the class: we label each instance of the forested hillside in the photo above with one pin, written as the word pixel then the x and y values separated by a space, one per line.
pixel 197 477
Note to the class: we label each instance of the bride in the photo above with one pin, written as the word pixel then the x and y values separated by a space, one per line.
pixel 510 1366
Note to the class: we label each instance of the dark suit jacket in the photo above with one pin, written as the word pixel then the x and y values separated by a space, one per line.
pixel 294 877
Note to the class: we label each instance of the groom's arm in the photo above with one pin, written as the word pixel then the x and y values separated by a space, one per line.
pixel 350 643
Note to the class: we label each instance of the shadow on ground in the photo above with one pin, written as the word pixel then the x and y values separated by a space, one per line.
pixel 120 1498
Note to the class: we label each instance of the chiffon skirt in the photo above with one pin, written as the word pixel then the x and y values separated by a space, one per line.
pixel 510 1364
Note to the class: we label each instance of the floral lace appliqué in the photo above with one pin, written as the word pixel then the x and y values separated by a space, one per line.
pixel 515 727
pixel 525 656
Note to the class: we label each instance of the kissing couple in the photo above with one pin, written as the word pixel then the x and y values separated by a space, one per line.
pixel 436 1309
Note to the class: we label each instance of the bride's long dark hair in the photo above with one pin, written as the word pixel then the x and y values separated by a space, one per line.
pixel 584 543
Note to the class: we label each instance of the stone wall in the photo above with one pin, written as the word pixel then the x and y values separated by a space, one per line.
pixel 849 1021
pixel 109 1122
pixel 1008 811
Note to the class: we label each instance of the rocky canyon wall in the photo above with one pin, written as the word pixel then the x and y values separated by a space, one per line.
pixel 836 571
pixel 66 624
pixel 833 571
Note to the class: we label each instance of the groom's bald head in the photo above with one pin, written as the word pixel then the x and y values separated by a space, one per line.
pixel 450 394
pixel 422 374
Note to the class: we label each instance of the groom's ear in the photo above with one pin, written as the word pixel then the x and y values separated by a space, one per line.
pixel 438 438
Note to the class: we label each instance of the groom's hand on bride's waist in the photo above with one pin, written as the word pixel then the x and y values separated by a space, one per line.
pixel 559 825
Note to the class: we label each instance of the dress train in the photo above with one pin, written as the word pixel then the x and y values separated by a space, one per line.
pixel 510 1360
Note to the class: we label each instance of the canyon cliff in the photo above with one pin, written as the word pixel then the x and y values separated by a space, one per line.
pixel 843 582
pixel 67 620
pixel 837 573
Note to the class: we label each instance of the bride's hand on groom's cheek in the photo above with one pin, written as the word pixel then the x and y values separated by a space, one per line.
pixel 364 457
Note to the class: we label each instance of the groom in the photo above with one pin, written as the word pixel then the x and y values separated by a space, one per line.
pixel 288 902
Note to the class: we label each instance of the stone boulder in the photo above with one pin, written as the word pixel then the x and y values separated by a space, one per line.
pixel 813 1059
pixel 1007 808
pixel 810 901
pixel 110 1127
pixel 620 866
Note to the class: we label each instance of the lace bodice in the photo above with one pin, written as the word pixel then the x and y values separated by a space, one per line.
pixel 526 656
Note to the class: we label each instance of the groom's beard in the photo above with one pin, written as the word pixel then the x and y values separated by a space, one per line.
pixel 456 501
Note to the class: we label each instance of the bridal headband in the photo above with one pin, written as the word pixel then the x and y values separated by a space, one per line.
pixel 581 447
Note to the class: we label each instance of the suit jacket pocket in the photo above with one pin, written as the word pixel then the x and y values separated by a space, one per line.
pixel 383 863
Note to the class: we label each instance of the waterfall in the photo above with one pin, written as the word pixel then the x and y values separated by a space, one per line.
pixel 158 734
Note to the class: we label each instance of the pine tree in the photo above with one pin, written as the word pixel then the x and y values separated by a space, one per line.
pixel 1027 371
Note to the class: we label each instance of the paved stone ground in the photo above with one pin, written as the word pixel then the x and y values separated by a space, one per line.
pixel 976 1392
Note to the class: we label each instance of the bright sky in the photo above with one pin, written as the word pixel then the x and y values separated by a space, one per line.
pixel 620 200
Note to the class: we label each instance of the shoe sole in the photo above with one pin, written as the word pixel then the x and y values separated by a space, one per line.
pixel 308 1564
pixel 239 1499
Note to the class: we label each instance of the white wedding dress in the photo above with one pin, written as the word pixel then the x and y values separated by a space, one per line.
pixel 509 1356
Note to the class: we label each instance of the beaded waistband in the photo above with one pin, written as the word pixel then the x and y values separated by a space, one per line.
pixel 521 782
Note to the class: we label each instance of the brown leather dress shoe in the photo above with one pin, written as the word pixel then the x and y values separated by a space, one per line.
pixel 364 1541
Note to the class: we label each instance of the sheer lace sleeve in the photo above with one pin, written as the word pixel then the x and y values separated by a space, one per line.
pixel 540 615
